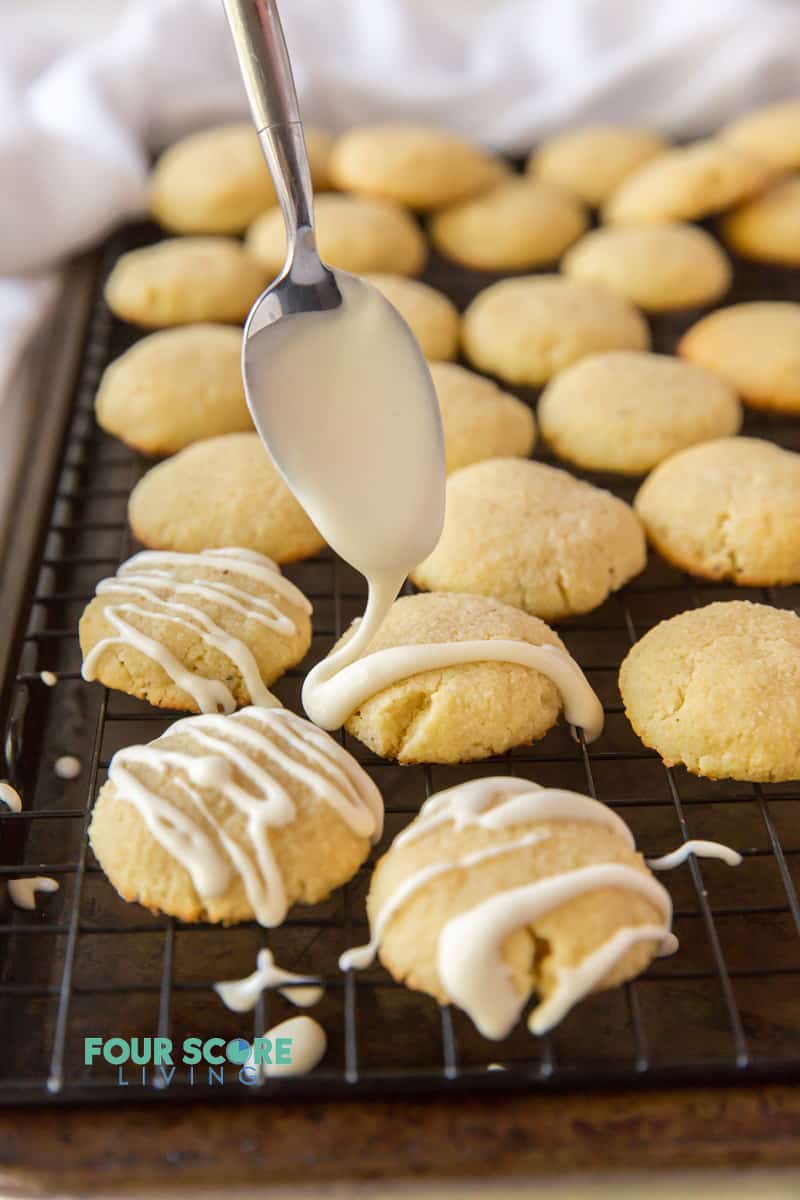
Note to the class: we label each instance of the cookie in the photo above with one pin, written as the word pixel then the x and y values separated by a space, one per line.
pixel 772 132
pixel 234 818
pixel 517 225
pixel 767 228
pixel 687 184
pixel 173 388
pixel 223 491
pixel 657 267
pixel 201 632
pixel 500 889
pixel 533 536
pixel 729 509
pixel 464 712
pixel 718 690
pixel 480 420
pixel 353 234
pixel 217 180
pixel 626 411
pixel 756 347
pixel 183 280
pixel 525 330
pixel 591 161
pixel 432 316
pixel 414 165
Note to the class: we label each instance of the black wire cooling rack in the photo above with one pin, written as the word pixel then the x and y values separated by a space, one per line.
pixel 726 1007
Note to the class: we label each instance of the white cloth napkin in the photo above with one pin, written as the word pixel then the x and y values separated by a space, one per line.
pixel 78 121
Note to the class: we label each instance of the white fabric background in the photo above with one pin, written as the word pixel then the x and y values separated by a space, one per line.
pixel 79 118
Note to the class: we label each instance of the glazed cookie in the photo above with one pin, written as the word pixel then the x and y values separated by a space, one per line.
pixel 183 280
pixel 687 184
pixel 217 181
pixel 413 165
pixel 525 330
pixel 767 228
pixel 432 316
pixel 201 632
pixel 756 347
pixel 517 225
pixel 533 536
pixel 592 160
pixel 234 818
pixel 773 133
pixel 718 690
pixel 625 411
pixel 657 267
pixel 223 491
pixel 729 509
pixel 480 421
pixel 501 889
pixel 353 234
pixel 175 387
pixel 464 712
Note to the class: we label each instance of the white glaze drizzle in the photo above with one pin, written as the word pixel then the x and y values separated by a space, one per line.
pixel 48 678
pixel 701 849
pixel 23 891
pixel 199 841
pixel 241 995
pixel 10 797
pixel 309 1044
pixel 150 574
pixel 67 767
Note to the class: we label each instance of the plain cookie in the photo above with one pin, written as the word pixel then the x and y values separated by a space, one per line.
pixel 767 228
pixel 353 234
pixel 729 509
pixel 756 347
pixel 517 225
pixel 772 132
pixel 657 267
pixel 718 690
pixel 223 491
pixel 184 280
pixel 535 537
pixel 480 420
pixel 175 387
pixel 414 165
pixel 432 317
pixel 687 183
pixel 525 330
pixel 626 411
pixel 592 160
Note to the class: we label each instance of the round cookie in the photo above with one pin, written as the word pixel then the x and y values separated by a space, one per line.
pixel 525 330
pixel 517 225
pixel 480 420
pixel 431 316
pixel 729 509
pixel 173 388
pixel 223 491
pixel 756 347
pixel 481 846
pixel 414 165
pixel 533 536
pixel 201 632
pixel 217 180
pixel 184 280
pixel 230 818
pixel 767 228
pixel 353 234
pixel 626 411
pixel 687 183
pixel 718 690
pixel 657 267
pixel 461 713
pixel 772 132
pixel 591 161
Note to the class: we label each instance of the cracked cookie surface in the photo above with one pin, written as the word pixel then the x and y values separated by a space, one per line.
pixel 718 690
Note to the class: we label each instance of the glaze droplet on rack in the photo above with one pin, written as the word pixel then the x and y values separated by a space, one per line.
pixel 308 1046
pixel 23 891
pixel 241 995
pixel 700 849
pixel 10 797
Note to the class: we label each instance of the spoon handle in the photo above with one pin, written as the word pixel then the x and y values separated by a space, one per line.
pixel 267 73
